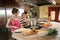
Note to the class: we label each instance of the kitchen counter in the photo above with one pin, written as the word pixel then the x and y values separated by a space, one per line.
pixel 20 36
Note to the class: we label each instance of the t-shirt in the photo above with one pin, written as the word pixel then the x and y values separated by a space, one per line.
pixel 24 23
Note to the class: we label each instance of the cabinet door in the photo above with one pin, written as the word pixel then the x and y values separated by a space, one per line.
pixel 52 13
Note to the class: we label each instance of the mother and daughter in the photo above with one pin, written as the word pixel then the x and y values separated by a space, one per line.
pixel 14 22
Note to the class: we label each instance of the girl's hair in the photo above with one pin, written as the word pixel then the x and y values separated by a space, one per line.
pixel 14 10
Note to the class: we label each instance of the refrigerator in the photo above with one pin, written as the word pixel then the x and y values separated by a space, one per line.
pixel 2 17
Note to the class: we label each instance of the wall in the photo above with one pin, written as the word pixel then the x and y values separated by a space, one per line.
pixel 36 10
pixel 43 11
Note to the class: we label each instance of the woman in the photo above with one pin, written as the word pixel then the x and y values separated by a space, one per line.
pixel 13 22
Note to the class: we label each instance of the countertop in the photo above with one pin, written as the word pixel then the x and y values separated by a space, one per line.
pixel 20 36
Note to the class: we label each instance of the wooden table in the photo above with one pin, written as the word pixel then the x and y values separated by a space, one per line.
pixel 20 36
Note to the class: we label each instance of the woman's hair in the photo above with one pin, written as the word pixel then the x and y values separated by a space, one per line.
pixel 14 10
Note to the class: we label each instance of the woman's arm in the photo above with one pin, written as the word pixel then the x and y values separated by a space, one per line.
pixel 8 25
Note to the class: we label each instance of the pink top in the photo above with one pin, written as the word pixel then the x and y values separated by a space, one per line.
pixel 15 22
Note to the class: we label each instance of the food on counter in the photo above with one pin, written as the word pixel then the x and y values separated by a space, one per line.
pixel 42 32
pixel 20 30
pixel 52 32
pixel 47 24
pixel 27 32
pixel 32 31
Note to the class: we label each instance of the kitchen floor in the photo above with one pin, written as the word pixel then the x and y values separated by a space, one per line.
pixel 3 36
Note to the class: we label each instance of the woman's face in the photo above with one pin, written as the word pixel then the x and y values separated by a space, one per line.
pixel 16 14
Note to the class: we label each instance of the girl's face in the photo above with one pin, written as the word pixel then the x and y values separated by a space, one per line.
pixel 23 15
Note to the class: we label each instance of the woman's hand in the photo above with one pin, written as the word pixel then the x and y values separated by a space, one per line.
pixel 14 27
